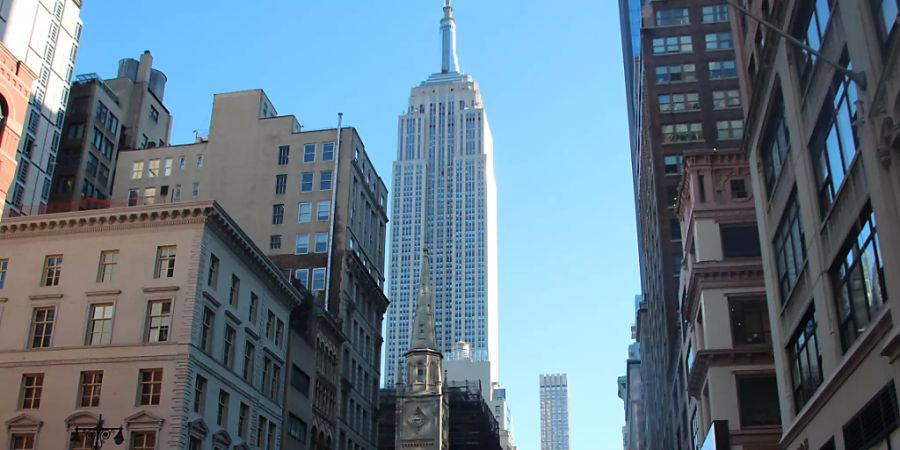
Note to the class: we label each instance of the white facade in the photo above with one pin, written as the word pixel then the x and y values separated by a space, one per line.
pixel 554 412
pixel 444 194
pixel 44 34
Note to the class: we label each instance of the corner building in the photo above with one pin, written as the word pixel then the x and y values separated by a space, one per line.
pixel 444 197
pixel 824 150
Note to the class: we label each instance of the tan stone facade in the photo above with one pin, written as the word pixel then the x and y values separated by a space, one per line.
pixel 15 85
pixel 824 154
pixel 165 319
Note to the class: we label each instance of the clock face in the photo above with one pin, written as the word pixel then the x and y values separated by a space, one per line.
pixel 418 419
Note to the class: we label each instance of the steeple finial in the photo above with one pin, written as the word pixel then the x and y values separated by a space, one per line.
pixel 450 63
pixel 423 333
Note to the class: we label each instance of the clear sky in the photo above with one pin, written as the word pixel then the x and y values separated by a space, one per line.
pixel 552 80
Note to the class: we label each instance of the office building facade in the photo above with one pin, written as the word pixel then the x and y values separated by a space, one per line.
pixel 15 88
pixel 555 412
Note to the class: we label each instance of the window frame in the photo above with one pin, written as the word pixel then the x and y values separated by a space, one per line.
pixel 31 391
pixel 106 267
pixel 52 270
pixel 93 320
pixel 45 336
pixel 165 261
pixel 151 388
pixel 164 321
pixel 90 389
pixel 807 328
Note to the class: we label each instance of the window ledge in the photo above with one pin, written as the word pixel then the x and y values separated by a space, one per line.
pixel 839 192
pixel 45 297
pixel 154 290
pixel 110 292
pixel 788 300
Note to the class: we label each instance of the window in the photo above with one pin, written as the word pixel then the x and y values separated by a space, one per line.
pixel 304 214
pixel 4 267
pixel 672 17
pixel 673 164
pixel 300 380
pixel 740 241
pixel 206 330
pixel 32 389
pixel 776 146
pixel 672 44
pixel 280 184
pixel 309 153
pixel 318 279
pixel 167 167
pixel 676 74
pixel 91 164
pixel 719 41
pixel 270 325
pixel 321 242
pixel 266 382
pixel 810 28
pixel 91 385
pixel 22 441
pixel 195 443
pixel 323 211
pixel 270 438
pixel 306 182
pixel 149 196
pixel 284 155
pixel 301 247
pixel 682 132
pixel 100 324
pixel 176 193
pixel 739 189
pixel 834 144
pixel 858 275
pixel 154 114
pixel 277 214
pixel 150 386
pixel 679 102
pixel 730 98
pixel 261 427
pixel 243 421
pixel 52 270
pixel 722 69
pixel 328 151
pixel 212 278
pixel 790 247
pixel 165 262
pixel 275 383
pixel 235 292
pixel 195 190
pixel 729 129
pixel 144 141
pixel 153 168
pixel 758 400
pixel 199 162
pixel 275 242
pixel 805 361
pixel 42 320
pixel 296 428
pixel 325 181
pixel 254 307
pixel 715 13
pixel 159 320
pixel 886 15
pixel 749 322
pixel 249 359
pixel 222 410
pixel 874 422
pixel 302 275
pixel 143 440
pixel 279 332
pixel 228 347
pixel 199 394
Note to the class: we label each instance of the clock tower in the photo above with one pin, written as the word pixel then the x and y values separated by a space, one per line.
pixel 422 404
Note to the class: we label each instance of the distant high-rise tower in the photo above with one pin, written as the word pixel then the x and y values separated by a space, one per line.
pixel 444 183
pixel 554 412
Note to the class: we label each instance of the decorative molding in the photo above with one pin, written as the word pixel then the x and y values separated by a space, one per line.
pixel 143 420
pixel 198 428
pixel 45 297
pixel 738 356
pixel 233 317
pixel 109 293
pixel 3 299
pixel 156 290
pixel 209 297
pixel 24 422
pixel 251 332
pixel 81 418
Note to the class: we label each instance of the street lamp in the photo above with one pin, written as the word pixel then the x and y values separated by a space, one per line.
pixel 97 435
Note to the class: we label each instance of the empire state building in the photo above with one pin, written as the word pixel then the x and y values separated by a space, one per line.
pixel 445 199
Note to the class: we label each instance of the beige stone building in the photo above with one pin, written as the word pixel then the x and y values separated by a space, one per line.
pixel 824 149
pixel 165 319
pixel 314 202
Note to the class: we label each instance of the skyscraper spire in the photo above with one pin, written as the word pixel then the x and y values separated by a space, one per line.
pixel 423 334
pixel 448 39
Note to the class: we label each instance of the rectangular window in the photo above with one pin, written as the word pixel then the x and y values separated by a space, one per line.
pixel 159 320
pixel 228 347
pixel 676 74
pixel 284 155
pixel 321 242
pixel 834 145
pixel 776 146
pixel 749 322
pixel 715 13
pixel 249 360
pixel 302 276
pixel 318 279
pixel 149 196
pixel 729 129
pixel 296 428
pixel 300 380
pixel 222 410
pixel 689 101
pixel 277 214
pixel 32 389
pixel 234 293
pixel 328 151
pixel 150 386
pixel 167 167
pixel 790 247
pixel 722 69
pixel 176 193
pixel 4 267
pixel 874 423
pixel 726 99
pixel 212 278
pixel 682 132
pixel 325 181
pixel 304 214
pixel 199 162
pixel 805 360
pixel 309 153
pixel 758 400
pixel 719 41
pixel 672 44
pixel 243 421
pixel 275 242
pixel 261 426
pixel 42 320
pixel 275 383
pixel 280 184
pixel 673 164
pixel 100 324
pixel 52 270
pixel 858 276
pixel 91 385
pixel 301 246
pixel 254 307
pixel 206 330
pixel 810 28
pixel 153 168
pixel 886 14
pixel 279 332
pixel 306 182
pixel 165 262
pixel 266 375
pixel 740 241
pixel 323 210
pixel 270 325
pixel 672 17
pixel 154 114
pixel 200 394
pixel 143 440
pixel 195 190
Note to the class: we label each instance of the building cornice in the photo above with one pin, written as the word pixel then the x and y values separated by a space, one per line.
pixel 745 273
pixel 750 355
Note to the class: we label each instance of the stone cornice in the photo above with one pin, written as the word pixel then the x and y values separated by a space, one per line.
pixel 37 297
pixel 749 355
pixel 156 290
pixel 108 293
pixel 103 220
pixel 740 273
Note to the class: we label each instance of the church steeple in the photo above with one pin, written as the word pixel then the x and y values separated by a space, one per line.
pixel 423 333
pixel 448 40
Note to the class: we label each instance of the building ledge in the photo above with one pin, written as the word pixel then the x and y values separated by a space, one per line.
pixel 749 355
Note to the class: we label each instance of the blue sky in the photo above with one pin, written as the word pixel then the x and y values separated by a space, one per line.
pixel 551 78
